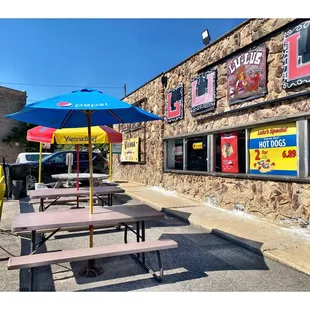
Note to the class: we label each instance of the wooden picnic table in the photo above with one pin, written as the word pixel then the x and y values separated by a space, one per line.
pixel 63 177
pixel 56 220
pixel 56 193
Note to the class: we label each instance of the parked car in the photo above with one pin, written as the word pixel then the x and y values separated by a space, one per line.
pixel 30 157
pixel 56 163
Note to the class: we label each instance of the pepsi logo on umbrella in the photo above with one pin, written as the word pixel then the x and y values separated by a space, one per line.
pixel 64 104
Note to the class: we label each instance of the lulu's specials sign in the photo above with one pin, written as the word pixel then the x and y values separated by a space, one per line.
pixel 273 150
pixel 130 150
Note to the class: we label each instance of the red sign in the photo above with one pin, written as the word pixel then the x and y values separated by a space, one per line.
pixel 246 75
pixel 296 55
pixel 174 105
pixel 229 152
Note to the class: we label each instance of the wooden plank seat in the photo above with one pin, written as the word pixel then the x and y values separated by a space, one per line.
pixel 43 259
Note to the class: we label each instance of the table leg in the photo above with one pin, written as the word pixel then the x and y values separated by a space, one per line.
pixel 143 238
pixel 110 203
pixel 138 235
pixel 142 261
pixel 41 207
pixel 33 248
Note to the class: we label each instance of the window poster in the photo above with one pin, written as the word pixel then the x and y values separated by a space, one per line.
pixel 273 150
pixel 174 104
pixel 203 94
pixel 296 55
pixel 229 152
pixel 246 75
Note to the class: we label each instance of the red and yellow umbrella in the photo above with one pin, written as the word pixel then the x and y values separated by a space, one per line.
pixel 77 136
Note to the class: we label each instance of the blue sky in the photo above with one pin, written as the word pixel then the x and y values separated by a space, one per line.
pixel 97 52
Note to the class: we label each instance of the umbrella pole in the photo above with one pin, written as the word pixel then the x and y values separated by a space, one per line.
pixel 40 163
pixel 110 162
pixel 91 270
pixel 77 146
pixel 90 156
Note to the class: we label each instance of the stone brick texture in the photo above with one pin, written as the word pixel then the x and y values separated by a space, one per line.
pixel 11 101
pixel 269 200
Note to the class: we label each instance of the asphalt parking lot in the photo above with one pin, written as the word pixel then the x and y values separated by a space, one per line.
pixel 203 262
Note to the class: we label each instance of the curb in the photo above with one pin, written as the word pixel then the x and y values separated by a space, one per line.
pixel 220 234
pixel 228 237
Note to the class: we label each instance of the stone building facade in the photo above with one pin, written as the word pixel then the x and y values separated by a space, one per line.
pixel 11 100
pixel 282 196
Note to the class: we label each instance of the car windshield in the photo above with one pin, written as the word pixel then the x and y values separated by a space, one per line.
pixel 47 157
pixel 53 154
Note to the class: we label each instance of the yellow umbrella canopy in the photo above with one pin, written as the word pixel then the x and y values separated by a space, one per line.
pixel 99 134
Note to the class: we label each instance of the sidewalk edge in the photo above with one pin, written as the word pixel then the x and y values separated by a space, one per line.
pixel 220 234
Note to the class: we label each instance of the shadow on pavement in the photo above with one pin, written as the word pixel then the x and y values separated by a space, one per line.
pixel 197 255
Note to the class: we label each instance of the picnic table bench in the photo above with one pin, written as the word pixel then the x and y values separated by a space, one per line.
pixel 118 215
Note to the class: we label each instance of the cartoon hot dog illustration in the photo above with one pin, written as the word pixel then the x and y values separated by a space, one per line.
pixel 264 165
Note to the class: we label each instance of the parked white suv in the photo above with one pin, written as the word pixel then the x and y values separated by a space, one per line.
pixel 30 157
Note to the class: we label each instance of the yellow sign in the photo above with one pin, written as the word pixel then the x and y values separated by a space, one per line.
pixel 273 150
pixel 197 146
pixel 130 150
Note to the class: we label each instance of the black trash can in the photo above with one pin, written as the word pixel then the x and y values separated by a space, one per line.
pixel 17 172
pixel 16 189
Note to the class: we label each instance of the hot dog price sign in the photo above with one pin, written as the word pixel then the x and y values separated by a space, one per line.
pixel 273 150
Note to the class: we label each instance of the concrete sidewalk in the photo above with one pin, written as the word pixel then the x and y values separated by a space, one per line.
pixel 289 246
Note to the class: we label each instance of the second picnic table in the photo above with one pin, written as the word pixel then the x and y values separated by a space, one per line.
pixel 56 193
pixel 63 177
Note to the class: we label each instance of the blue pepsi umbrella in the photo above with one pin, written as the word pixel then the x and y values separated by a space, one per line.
pixel 81 108
pixel 70 111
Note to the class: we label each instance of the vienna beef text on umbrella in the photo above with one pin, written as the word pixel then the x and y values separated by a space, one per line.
pixel 82 108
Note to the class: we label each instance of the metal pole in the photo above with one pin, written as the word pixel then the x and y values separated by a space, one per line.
pixel 111 163
pixel 125 91
pixel 77 146
pixel 90 155
pixel 40 163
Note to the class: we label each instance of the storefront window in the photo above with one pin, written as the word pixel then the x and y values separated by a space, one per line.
pixel 196 159
pixel 230 152
pixel 175 156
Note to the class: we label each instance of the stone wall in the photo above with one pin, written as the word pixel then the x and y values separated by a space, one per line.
pixel 11 101
pixel 271 200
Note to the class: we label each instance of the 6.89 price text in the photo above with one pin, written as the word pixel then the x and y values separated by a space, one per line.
pixel 289 154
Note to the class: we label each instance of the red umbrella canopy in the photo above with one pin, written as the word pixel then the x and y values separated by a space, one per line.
pixel 100 134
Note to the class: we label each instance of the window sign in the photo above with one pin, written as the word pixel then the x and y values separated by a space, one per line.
pixel 273 150
pixel 229 152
